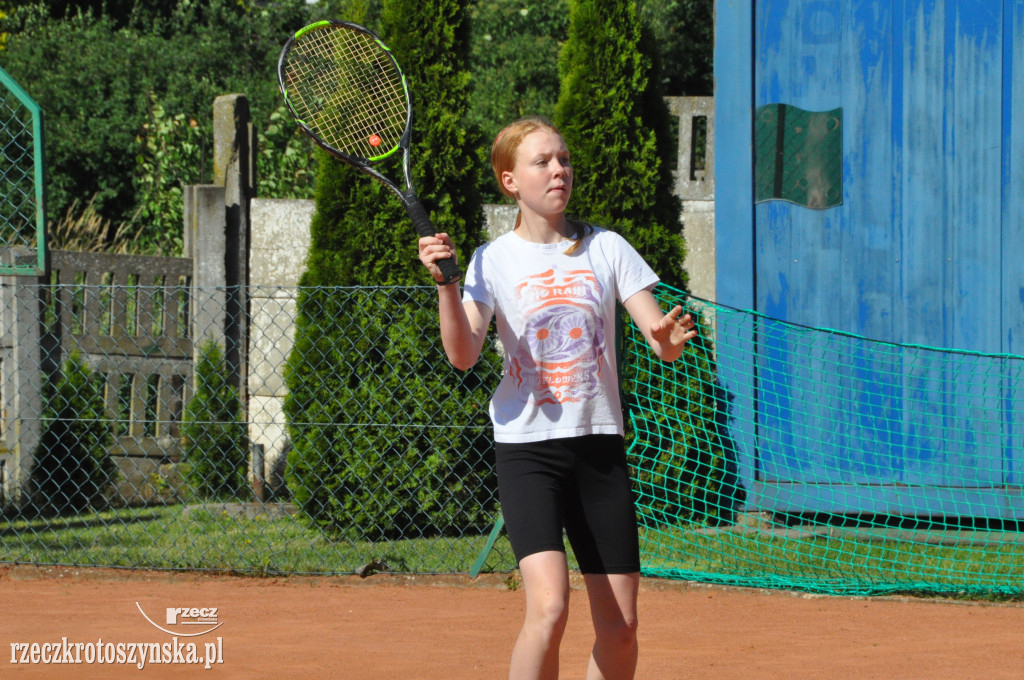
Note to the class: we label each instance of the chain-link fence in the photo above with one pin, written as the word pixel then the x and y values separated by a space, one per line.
pixel 22 210
pixel 349 445
pixel 358 450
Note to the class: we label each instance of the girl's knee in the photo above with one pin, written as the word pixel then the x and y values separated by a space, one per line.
pixel 549 615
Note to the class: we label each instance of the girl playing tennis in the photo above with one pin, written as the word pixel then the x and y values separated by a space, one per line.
pixel 552 284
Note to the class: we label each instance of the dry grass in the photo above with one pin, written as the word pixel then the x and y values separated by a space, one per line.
pixel 83 229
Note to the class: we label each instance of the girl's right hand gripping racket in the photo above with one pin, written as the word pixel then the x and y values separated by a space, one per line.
pixel 348 93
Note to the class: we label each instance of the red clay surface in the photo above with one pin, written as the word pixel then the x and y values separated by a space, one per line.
pixel 387 627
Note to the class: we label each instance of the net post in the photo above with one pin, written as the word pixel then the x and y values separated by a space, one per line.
pixel 482 557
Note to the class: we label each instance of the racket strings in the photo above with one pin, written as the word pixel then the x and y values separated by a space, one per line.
pixel 348 90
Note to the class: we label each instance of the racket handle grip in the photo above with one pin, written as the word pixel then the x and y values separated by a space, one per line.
pixel 424 227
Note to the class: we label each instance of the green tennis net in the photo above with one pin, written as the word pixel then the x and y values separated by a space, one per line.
pixel 776 455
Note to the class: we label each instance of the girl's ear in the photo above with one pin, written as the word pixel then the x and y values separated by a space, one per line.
pixel 509 182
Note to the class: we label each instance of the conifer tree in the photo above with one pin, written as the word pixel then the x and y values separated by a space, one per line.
pixel 73 466
pixel 614 119
pixel 215 433
pixel 368 380
pixel 613 116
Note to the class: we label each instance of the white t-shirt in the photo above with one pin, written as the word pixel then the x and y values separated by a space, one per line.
pixel 556 321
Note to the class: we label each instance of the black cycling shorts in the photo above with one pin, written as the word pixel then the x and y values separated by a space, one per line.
pixel 580 484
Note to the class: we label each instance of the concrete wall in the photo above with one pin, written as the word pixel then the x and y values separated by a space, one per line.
pixel 279 242
pixel 695 185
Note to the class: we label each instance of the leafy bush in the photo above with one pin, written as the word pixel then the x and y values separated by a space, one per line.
pixel 368 360
pixel 106 125
pixel 217 444
pixel 170 149
pixel 72 465
pixel 285 162
pixel 73 68
pixel 514 58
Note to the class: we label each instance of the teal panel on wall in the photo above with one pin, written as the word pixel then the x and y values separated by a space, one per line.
pixel 798 156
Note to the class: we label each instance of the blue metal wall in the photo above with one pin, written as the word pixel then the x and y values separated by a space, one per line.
pixel 927 246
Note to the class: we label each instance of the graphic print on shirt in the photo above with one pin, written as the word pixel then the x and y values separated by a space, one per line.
pixel 558 358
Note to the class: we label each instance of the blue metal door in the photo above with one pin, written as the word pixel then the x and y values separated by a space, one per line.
pixel 923 243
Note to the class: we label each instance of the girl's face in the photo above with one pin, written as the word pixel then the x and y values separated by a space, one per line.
pixel 541 179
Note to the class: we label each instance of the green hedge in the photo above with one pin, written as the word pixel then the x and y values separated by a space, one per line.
pixel 388 440
pixel 72 465
pixel 216 440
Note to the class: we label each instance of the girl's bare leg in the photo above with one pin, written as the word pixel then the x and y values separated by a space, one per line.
pixel 614 612
pixel 546 582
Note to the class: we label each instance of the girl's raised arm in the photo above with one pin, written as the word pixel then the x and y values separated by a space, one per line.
pixel 463 325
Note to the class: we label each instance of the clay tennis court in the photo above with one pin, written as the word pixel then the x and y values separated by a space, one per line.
pixel 435 628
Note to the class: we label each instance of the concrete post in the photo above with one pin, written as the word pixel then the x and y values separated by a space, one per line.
pixel 695 185
pixel 207 244
pixel 234 168
pixel 21 377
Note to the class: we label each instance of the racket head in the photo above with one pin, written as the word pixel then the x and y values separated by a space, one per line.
pixel 345 88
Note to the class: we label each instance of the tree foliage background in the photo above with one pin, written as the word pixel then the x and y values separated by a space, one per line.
pixel 127 90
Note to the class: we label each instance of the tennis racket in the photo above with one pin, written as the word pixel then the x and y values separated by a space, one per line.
pixel 347 92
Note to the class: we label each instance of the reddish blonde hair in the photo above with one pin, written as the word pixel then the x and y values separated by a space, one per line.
pixel 503 159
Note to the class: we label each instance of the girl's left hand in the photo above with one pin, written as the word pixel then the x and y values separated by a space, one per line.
pixel 666 333
pixel 672 332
